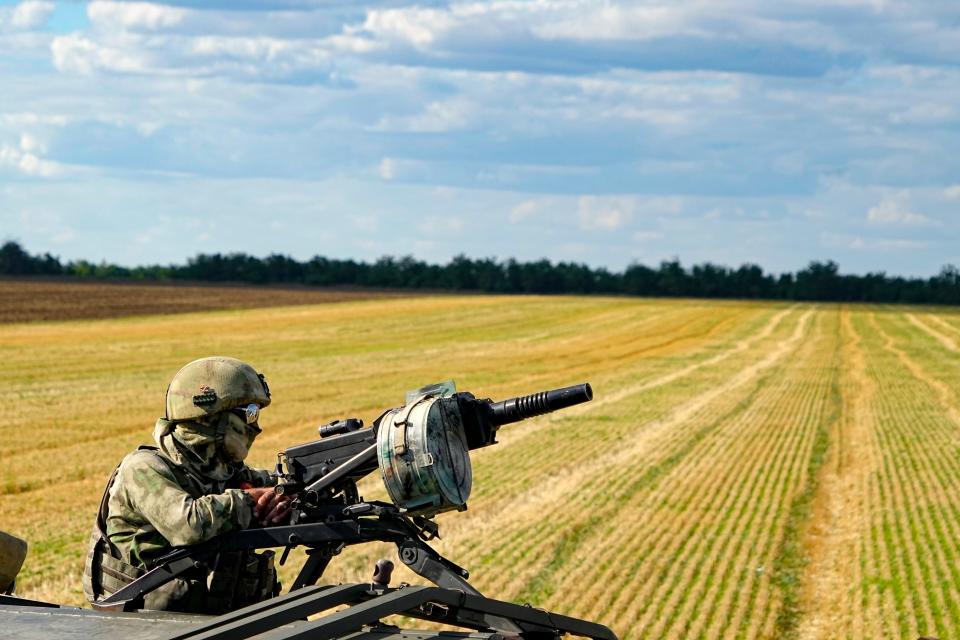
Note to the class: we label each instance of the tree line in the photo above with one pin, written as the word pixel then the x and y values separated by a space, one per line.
pixel 818 281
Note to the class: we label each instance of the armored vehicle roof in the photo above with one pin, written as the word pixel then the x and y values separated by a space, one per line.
pixel 286 618
pixel 67 623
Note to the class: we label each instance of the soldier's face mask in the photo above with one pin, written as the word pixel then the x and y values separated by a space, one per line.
pixel 238 437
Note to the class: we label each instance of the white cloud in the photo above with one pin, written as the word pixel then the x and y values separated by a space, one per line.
pixel 28 118
pixel 31 14
pixel 30 144
pixel 616 22
pixel 387 169
pixel 518 100
pixel 892 210
pixel 27 163
pixel 401 169
pixel 436 117
pixel 147 129
pixel 73 52
pixel 416 25
pixel 526 210
pixel 131 15
pixel 604 212
pixel 176 56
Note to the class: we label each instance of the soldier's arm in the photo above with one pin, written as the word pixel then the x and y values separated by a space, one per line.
pixel 150 489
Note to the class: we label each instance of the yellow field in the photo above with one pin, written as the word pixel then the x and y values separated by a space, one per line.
pixel 745 470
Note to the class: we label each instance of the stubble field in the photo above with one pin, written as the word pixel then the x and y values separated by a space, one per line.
pixel 744 471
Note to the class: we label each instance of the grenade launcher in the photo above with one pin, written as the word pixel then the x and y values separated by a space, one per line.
pixel 421 451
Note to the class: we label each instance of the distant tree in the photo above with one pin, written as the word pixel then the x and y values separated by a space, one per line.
pixel 639 280
pixel 15 261
pixel 945 286
pixel 818 281
pixel 710 281
pixel 786 286
pixel 672 280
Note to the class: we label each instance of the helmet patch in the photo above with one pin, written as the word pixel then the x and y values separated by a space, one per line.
pixel 206 396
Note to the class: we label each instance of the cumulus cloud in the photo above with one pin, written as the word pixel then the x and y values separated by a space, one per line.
pixel 618 22
pixel 31 144
pixel 604 213
pixel 134 15
pixel 526 210
pixel 176 56
pixel 434 117
pixel 27 15
pixel 683 122
pixel 30 118
pixel 723 35
pixel 27 163
pixel 414 25
pixel 387 169
pixel 892 210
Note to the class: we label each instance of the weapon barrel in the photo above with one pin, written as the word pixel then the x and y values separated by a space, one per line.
pixel 523 407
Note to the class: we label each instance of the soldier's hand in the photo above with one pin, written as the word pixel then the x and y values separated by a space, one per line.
pixel 269 506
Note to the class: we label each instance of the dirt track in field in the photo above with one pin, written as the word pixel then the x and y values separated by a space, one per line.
pixel 30 300
pixel 834 544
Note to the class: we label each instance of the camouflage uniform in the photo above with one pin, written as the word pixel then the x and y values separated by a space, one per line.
pixel 151 509
pixel 182 492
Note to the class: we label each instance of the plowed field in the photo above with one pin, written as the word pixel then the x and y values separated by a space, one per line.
pixel 29 299
pixel 744 471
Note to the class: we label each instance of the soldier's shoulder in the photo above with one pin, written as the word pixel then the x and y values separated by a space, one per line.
pixel 144 459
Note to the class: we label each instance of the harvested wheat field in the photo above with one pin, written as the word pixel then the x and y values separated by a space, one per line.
pixel 744 471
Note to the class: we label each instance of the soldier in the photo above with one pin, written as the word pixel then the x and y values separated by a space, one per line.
pixel 189 488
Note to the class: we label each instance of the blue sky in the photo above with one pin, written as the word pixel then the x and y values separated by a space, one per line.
pixel 601 132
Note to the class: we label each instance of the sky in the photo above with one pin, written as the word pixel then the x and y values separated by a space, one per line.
pixel 593 131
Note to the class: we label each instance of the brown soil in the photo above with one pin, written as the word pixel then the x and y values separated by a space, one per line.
pixel 29 300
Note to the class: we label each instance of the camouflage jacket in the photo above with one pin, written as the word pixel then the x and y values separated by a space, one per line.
pixel 150 511
pixel 176 496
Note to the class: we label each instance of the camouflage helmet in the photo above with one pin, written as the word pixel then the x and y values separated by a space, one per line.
pixel 211 385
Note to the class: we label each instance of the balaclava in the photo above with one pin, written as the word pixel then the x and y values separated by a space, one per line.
pixel 212 448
